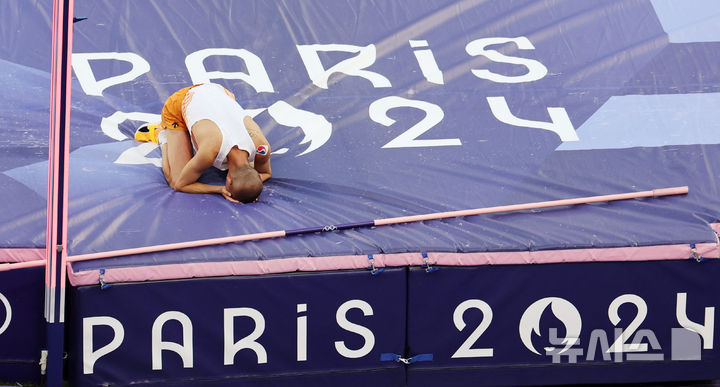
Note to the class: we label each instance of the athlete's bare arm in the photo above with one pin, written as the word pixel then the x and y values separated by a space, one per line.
pixel 262 161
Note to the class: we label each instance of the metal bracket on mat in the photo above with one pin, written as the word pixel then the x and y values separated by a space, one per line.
pixel 694 254
pixel 406 361
pixel 374 270
pixel 43 361
pixel 426 263
pixel 103 285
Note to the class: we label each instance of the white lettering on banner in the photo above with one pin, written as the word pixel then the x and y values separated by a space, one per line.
pixel 563 311
pixel 536 70
pixel 705 331
pixel 86 77
pixel 248 342
pixel 433 115
pixel 619 344
pixel 629 344
pixel 185 350
pixel 230 347
pixel 301 333
pixel 426 61
pixel 90 356
pixel 317 129
pixel 111 125
pixel 139 155
pixel 367 335
pixel 257 76
pixel 352 66
pixel 466 349
pixel 8 313
pixel 559 121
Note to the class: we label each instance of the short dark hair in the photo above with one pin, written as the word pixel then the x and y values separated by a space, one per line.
pixel 246 184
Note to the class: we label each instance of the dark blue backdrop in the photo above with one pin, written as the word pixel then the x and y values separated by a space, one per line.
pixel 322 303
pixel 22 336
pixel 413 314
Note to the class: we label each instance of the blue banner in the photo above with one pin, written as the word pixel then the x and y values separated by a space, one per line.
pixel 589 323
pixel 22 326
pixel 493 325
pixel 241 329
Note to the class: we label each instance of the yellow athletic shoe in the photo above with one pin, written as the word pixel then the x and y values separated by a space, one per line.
pixel 147 132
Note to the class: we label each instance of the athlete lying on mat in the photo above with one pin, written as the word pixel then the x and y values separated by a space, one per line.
pixel 203 126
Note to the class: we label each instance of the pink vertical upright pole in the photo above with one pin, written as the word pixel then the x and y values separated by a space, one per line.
pixel 58 158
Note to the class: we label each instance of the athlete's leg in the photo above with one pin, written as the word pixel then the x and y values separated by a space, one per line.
pixel 175 154
pixel 166 164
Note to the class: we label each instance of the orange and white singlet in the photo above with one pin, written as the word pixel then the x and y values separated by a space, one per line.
pixel 210 101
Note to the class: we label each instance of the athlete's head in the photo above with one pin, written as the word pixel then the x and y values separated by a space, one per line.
pixel 244 183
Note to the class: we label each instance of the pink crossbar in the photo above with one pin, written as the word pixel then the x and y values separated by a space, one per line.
pixel 22 265
pixel 387 221
pixel 310 264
